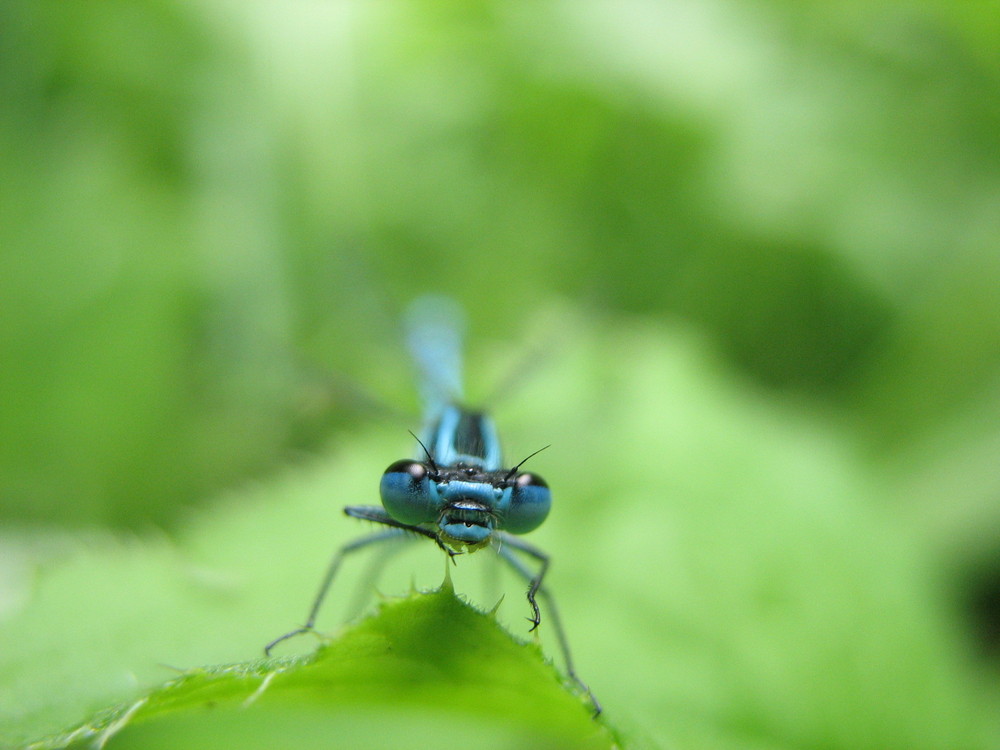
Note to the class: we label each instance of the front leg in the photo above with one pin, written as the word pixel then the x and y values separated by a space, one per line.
pixel 376 514
pixel 506 541
pixel 367 513
pixel 535 580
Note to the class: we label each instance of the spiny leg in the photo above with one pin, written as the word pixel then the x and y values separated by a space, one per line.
pixel 507 541
pixel 379 515
pixel 368 513
pixel 369 579
pixel 331 572
pixel 534 579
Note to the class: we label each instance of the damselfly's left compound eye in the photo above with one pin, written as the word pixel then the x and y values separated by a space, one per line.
pixel 527 479
pixel 406 493
pixel 530 502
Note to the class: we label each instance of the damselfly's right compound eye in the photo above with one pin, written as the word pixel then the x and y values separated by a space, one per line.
pixel 406 493
pixel 415 469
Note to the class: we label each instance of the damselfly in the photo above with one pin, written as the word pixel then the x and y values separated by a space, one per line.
pixel 458 493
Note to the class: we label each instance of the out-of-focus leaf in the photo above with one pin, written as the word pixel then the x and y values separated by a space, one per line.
pixel 722 572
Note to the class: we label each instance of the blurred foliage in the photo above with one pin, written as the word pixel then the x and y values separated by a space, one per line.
pixel 196 195
pixel 211 214
pixel 726 583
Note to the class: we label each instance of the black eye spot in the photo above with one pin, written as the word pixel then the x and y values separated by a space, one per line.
pixel 527 479
pixel 408 466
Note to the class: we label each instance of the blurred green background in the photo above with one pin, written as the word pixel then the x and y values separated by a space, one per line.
pixel 759 244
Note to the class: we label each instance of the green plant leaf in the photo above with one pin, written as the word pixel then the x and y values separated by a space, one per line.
pixel 430 656
pixel 722 568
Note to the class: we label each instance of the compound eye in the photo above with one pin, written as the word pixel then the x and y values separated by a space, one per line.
pixel 527 479
pixel 407 494
pixel 530 501
pixel 415 469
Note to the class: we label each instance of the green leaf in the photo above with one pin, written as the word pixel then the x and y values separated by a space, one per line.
pixel 722 567
pixel 446 669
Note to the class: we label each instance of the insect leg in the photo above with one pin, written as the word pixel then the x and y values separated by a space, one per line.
pixel 370 577
pixel 331 572
pixel 506 543
pixel 379 515
pixel 368 513
pixel 534 579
